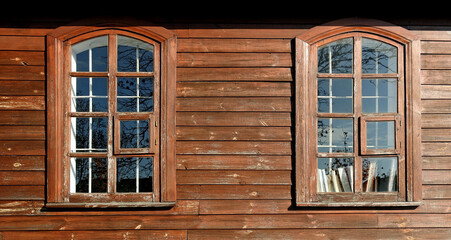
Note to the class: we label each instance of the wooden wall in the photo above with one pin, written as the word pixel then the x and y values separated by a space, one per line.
pixel 234 146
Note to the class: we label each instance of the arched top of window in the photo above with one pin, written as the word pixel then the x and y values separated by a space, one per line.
pixel 361 25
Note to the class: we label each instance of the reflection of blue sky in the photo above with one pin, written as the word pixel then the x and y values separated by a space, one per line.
pixel 379 95
pixel 380 135
pixel 335 134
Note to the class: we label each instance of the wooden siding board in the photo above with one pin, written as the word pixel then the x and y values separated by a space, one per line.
pixel 234 74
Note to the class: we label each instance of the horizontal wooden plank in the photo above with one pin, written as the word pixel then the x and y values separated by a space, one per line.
pixel 233 45
pixel 435 61
pixel 436 120
pixel 18 208
pixel 241 31
pixel 436 149
pixel 234 192
pixel 22 148
pixel 245 162
pixel 436 162
pixel 97 235
pixel 436 92
pixel 233 89
pixel 262 206
pixel 20 178
pixel 234 60
pixel 233 133
pixel 295 221
pixel 233 147
pixel 25 43
pixel 436 135
pixel 22 118
pixel 22 103
pixel 436 191
pixel 234 74
pixel 436 106
pixel 248 177
pixel 34 193
pixel 319 234
pixel 22 163
pixel 22 58
pixel 24 88
pixel 233 119
pixel 22 73
pixel 436 176
pixel 235 104
pixel 436 47
pixel 22 133
pixel 17 31
pixel 435 76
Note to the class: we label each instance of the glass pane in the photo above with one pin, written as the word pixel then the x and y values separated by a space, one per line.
pixel 379 95
pixel 134 134
pixel 335 135
pixel 380 135
pixel 89 134
pixel 126 175
pixel 335 175
pixel 378 57
pixel 135 94
pixel 135 174
pixel 336 57
pixel 89 94
pixel 335 95
pixel 134 55
pixel 380 174
pixel 146 174
pixel 90 55
pixel 90 175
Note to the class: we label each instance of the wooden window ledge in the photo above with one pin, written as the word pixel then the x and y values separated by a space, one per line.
pixel 111 205
pixel 359 204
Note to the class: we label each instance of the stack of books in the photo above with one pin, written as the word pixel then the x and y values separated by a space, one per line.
pixel 339 180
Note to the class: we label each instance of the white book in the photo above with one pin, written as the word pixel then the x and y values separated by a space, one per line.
pixel 391 178
pixel 350 172
pixel 326 181
pixel 371 177
pixel 336 182
pixel 319 181
pixel 344 180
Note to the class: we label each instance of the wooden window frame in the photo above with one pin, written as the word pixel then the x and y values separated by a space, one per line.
pixel 162 119
pixel 306 75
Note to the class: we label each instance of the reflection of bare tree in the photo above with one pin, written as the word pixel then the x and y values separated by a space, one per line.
pixel 134 134
pixel 375 59
pixel 127 59
pixel 336 56
pixel 127 174
pixel 99 175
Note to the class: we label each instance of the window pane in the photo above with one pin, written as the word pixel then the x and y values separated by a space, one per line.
pixel 335 175
pixel 335 135
pixel 335 95
pixel 380 135
pixel 378 57
pixel 135 174
pixel 135 95
pixel 336 57
pixel 380 174
pixel 146 175
pixel 90 55
pixel 379 95
pixel 89 94
pixel 126 175
pixel 134 55
pixel 134 134
pixel 89 134
pixel 90 175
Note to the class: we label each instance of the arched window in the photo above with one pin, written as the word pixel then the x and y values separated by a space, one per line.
pixel 111 89
pixel 357 87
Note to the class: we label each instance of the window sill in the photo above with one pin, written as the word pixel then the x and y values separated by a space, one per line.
pixel 111 205
pixel 359 204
